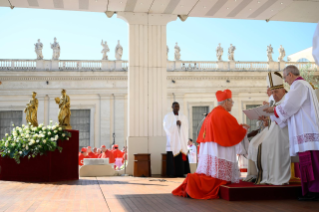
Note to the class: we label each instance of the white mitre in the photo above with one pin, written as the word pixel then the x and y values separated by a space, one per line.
pixel 274 80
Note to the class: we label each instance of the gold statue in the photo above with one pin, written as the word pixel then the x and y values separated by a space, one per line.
pixel 64 112
pixel 31 110
pixel 27 113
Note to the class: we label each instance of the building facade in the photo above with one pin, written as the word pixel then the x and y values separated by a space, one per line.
pixel 99 97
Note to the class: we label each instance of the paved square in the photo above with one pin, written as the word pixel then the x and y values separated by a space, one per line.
pixel 118 194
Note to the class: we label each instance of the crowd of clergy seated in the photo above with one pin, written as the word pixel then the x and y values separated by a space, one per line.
pixel 115 156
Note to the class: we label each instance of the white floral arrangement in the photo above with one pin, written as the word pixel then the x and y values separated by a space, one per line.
pixel 29 141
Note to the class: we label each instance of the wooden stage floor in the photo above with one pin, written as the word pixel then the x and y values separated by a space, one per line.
pixel 124 194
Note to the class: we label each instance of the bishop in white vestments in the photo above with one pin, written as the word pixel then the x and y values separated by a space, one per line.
pixel 176 128
pixel 300 109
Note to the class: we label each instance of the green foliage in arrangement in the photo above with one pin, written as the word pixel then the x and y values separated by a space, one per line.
pixel 29 141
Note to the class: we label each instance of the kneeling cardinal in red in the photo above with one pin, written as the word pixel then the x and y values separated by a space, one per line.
pixel 221 138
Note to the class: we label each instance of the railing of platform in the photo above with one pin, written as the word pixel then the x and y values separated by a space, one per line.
pixel 125 65
pixel 111 65
pixel 251 66
pixel 18 64
pixel 304 65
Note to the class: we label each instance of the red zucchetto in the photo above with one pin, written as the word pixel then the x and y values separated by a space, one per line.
pixel 83 149
pixel 223 95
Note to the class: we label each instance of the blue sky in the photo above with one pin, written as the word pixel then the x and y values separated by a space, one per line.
pixel 80 35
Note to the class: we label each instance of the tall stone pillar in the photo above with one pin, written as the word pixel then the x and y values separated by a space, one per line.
pixel 105 121
pixel 147 92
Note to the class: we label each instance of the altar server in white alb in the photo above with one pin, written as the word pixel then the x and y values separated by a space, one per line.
pixel 176 128
pixel 300 109
pixel 273 158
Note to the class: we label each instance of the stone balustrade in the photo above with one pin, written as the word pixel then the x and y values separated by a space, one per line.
pixel 122 65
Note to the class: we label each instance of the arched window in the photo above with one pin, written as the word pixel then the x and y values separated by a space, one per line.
pixel 303 60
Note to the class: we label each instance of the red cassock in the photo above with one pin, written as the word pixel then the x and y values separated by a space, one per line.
pixel 105 154
pixel 81 158
pixel 92 155
pixel 117 153
pixel 219 127
pixel 111 157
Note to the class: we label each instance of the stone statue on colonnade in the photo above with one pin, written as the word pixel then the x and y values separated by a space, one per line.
pixel 231 51
pixel 270 51
pixel 56 50
pixel 282 54
pixel 219 52
pixel 118 51
pixel 105 50
pixel 64 110
pixel 38 50
pixel 31 110
pixel 177 52
pixel 167 50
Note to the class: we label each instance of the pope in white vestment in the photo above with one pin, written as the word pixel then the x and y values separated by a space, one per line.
pixel 300 110
pixel 270 149
pixel 176 128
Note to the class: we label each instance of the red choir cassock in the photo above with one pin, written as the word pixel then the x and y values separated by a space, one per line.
pixel 116 152
pixel 217 164
pixel 82 155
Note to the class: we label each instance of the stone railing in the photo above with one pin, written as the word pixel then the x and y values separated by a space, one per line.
pixel 235 66
pixel 18 64
pixel 64 65
pixel 121 65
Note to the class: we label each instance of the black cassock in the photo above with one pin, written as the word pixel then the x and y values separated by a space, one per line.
pixel 176 166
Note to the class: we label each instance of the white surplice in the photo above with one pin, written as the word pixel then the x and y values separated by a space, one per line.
pixel 300 110
pixel 275 157
pixel 220 162
pixel 177 137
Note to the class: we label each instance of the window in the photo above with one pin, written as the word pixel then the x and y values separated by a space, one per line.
pixel 80 120
pixel 198 118
pixel 7 118
pixel 251 123
pixel 303 60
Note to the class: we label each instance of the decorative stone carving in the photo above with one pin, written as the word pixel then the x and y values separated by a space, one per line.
pixel 31 110
pixel 270 51
pixel 38 50
pixel 118 51
pixel 105 50
pixel 282 54
pixel 56 50
pixel 231 51
pixel 177 52
pixel 64 110
pixel 219 52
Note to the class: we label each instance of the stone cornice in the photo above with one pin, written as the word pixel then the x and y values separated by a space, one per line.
pixel 63 78
pixel 124 78
pixel 194 78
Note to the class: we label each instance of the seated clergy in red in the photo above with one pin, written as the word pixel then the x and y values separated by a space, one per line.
pixel 118 156
pixel 95 152
pixel 111 155
pixel 90 153
pixel 220 138
pixel 116 152
pixel 83 154
pixel 105 152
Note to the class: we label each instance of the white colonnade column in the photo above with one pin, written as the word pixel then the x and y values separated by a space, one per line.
pixel 147 87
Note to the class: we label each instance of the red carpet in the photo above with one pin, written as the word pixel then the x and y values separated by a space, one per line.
pixel 244 191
